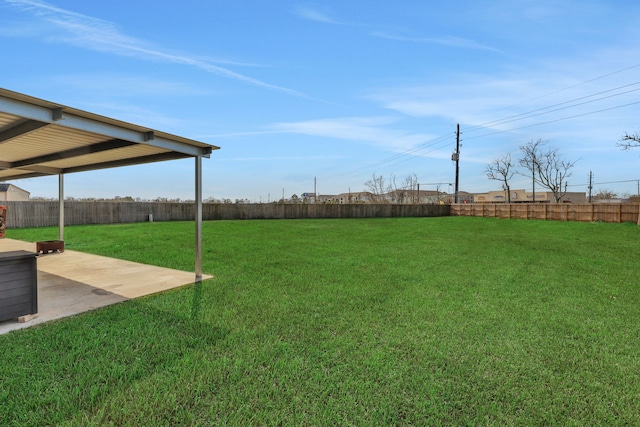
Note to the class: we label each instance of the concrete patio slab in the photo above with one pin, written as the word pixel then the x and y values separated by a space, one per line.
pixel 73 282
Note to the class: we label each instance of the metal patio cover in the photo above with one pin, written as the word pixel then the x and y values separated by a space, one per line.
pixel 41 138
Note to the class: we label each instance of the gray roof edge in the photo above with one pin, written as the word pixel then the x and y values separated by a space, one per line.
pixel 84 115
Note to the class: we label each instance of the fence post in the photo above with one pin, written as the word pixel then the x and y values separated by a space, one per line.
pixel 619 213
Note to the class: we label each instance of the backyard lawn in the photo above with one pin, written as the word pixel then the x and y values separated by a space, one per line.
pixel 407 321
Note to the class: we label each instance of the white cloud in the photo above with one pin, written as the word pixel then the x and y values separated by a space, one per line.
pixel 314 15
pixel 283 158
pixel 519 99
pixel 473 101
pixel 100 35
pixel 451 41
pixel 369 130
pixel 126 85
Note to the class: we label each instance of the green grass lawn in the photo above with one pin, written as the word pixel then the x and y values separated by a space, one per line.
pixel 414 321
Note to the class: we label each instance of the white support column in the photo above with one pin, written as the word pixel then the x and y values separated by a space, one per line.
pixel 61 207
pixel 198 219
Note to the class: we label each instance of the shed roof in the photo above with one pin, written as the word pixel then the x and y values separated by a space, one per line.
pixel 39 138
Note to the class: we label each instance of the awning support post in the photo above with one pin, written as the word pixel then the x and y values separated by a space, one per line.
pixel 61 207
pixel 198 218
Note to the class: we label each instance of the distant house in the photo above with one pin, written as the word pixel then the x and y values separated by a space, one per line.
pixel 522 196
pixel 356 197
pixel 11 193
pixel 463 197
pixel 396 197
pixel 326 198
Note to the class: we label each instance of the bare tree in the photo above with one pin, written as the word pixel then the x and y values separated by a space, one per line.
pixel 405 193
pixel 382 191
pixel 397 194
pixel 555 172
pixel 411 185
pixel 605 195
pixel 376 187
pixel 630 141
pixel 548 168
pixel 531 155
pixel 633 198
pixel 501 169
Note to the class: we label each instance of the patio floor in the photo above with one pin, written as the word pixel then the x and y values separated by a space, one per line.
pixel 74 282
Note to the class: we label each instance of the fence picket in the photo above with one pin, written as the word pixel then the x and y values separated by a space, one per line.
pixel 582 212
pixel 45 213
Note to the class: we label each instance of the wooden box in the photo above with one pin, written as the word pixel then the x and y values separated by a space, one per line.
pixel 18 284
pixel 50 246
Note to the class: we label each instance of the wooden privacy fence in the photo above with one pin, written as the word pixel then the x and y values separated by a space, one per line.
pixel 584 212
pixel 45 214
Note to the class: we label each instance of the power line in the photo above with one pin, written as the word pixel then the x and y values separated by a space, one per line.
pixel 433 143
pixel 541 111
pixel 397 158
pixel 404 156
pixel 555 120
pixel 578 84
pixel 605 183
pixel 416 149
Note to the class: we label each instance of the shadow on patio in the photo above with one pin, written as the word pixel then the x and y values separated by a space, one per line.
pixel 73 282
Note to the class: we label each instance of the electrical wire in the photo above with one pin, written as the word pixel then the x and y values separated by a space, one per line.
pixel 580 84
pixel 541 111
pixel 405 155
pixel 530 114
pixel 430 146
pixel 604 183
pixel 555 120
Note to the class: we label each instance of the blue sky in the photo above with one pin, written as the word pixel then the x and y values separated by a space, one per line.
pixel 336 90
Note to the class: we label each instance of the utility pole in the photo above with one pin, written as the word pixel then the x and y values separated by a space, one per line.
pixel 533 182
pixel 590 184
pixel 315 194
pixel 456 157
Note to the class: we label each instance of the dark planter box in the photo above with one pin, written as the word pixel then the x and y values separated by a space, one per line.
pixel 18 284
pixel 50 246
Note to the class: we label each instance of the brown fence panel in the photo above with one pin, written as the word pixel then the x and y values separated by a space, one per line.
pixel 503 211
pixel 45 214
pixel 606 213
pixel 630 213
pixel 555 212
pixel 519 211
pixel 583 212
pixel 580 212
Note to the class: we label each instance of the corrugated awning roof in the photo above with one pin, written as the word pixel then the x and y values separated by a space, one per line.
pixel 39 138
